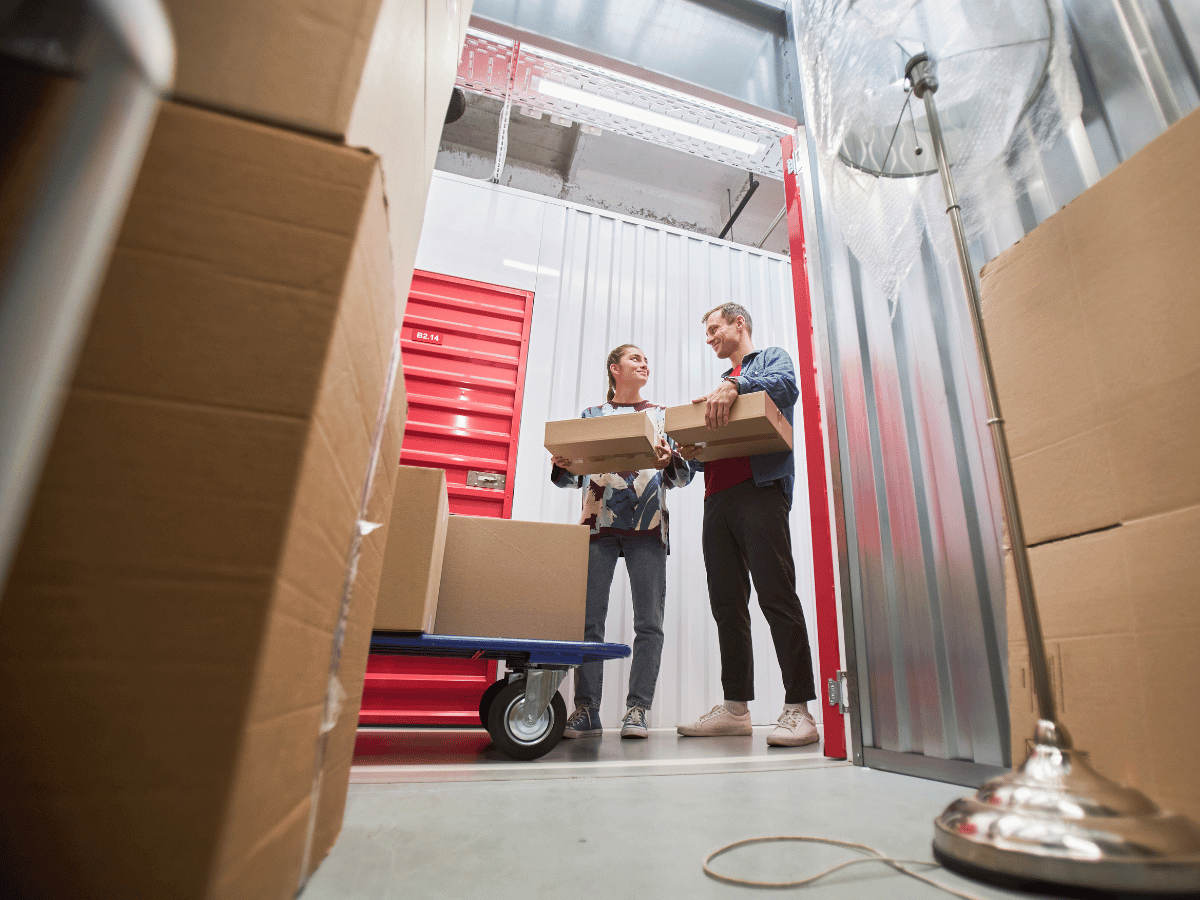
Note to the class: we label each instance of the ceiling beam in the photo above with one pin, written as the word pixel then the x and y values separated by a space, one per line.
pixel 765 16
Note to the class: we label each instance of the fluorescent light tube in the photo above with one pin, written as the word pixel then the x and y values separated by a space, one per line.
pixel 648 117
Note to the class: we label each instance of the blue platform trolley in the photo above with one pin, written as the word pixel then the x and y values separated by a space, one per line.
pixel 523 712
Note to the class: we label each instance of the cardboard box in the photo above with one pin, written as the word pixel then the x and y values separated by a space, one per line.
pixel 507 579
pixel 1093 325
pixel 375 74
pixel 314 65
pixel 618 443
pixel 1122 628
pixel 755 426
pixel 416 545
pixel 1092 322
pixel 185 573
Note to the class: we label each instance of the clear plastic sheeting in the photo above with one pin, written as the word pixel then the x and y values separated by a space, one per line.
pixel 1006 90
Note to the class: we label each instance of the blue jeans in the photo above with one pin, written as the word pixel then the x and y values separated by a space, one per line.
pixel 646 563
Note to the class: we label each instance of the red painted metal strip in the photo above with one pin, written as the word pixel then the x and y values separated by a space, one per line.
pixel 490 309
pixel 433 460
pixel 441 350
pixel 468 405
pixel 471 493
pixel 828 640
pixel 414 371
pixel 474 434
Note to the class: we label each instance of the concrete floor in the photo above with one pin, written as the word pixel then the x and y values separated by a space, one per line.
pixel 437 814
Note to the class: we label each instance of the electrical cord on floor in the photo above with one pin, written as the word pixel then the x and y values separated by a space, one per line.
pixel 875 856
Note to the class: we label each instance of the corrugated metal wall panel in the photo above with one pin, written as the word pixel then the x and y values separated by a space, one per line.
pixel 601 280
pixel 919 489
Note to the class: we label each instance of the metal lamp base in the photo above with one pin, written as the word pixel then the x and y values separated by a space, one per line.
pixel 1058 821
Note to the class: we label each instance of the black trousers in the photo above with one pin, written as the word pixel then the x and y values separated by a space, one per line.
pixel 746 535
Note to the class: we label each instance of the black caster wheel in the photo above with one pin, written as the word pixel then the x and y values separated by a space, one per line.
pixel 516 737
pixel 489 697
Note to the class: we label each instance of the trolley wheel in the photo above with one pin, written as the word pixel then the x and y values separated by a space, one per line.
pixel 488 698
pixel 513 735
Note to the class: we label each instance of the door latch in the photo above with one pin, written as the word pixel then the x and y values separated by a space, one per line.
pixel 493 481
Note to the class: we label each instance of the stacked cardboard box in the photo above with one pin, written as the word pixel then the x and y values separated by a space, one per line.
pixel 1094 330
pixel 184 631
pixel 375 74
pixel 416 546
pixel 508 579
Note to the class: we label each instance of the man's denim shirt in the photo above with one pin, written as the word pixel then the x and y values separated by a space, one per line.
pixel 770 370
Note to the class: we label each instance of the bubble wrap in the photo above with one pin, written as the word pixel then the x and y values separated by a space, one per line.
pixel 1006 91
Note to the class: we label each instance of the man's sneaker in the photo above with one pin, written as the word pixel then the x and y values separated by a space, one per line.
pixel 634 725
pixel 584 722
pixel 718 720
pixel 795 729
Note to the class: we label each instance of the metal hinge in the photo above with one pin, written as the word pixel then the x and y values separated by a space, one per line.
pixel 490 480
pixel 839 691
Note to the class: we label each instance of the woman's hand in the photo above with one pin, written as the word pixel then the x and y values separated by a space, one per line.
pixel 561 461
pixel 662 453
pixel 690 451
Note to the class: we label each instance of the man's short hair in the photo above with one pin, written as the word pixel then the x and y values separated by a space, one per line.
pixel 729 312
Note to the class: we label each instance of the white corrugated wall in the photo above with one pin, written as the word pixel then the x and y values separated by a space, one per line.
pixel 600 280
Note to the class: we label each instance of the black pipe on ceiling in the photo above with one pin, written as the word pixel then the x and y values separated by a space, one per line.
pixel 737 212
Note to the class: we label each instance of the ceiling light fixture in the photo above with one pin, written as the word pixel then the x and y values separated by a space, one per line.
pixel 647 117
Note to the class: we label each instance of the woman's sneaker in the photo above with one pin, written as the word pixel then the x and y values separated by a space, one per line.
pixel 634 725
pixel 584 722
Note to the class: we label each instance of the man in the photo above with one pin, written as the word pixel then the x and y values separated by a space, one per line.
pixel 746 534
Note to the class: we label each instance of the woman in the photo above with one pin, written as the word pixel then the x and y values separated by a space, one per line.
pixel 627 514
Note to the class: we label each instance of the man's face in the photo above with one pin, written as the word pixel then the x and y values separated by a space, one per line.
pixel 724 337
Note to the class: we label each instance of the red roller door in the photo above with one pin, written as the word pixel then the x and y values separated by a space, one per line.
pixel 464 346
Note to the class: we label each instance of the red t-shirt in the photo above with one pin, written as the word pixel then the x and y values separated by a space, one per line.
pixel 725 473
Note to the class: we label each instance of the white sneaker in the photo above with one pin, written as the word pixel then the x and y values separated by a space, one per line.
pixel 716 721
pixel 795 729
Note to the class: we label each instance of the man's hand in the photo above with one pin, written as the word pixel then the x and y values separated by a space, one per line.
pixel 720 400
pixel 561 461
pixel 689 451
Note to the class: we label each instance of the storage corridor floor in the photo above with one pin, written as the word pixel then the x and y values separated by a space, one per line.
pixel 437 814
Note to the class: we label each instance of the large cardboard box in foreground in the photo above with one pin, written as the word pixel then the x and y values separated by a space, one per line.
pixel 507 579
pixel 416 546
pixel 755 426
pixel 191 603
pixel 617 443
pixel 1094 328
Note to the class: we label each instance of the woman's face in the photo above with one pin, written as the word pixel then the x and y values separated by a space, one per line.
pixel 633 369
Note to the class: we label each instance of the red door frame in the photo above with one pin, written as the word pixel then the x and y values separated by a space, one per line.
pixel 828 640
